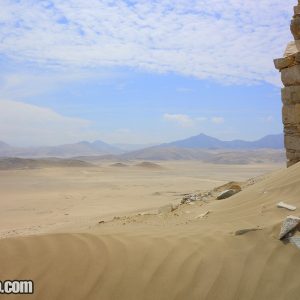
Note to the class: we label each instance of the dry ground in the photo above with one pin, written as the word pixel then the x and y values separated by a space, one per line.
pixel 60 199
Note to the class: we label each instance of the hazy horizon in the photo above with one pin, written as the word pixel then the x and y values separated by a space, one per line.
pixel 128 145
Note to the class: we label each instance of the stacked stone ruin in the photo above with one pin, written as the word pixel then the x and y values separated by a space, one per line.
pixel 289 67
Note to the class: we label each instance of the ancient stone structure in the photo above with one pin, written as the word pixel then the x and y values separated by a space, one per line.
pixel 289 67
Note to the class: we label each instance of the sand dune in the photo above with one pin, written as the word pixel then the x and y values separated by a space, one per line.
pixel 174 255
pixel 42 200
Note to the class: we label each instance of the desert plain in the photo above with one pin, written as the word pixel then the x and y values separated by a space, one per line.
pixel 102 231
pixel 53 199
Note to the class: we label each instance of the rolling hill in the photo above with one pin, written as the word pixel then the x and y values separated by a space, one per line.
pixel 67 150
pixel 23 163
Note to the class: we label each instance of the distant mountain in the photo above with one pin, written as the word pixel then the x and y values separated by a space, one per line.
pixel 104 147
pixel 133 147
pixel 25 163
pixel 191 148
pixel 4 146
pixel 164 153
pixel 275 141
pixel 209 149
pixel 67 150
pixel 200 141
pixel 203 141
pixel 220 156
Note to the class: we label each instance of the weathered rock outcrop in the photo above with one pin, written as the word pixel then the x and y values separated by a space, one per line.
pixel 289 66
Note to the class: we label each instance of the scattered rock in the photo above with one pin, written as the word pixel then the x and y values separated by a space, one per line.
pixel 203 215
pixel 226 194
pixel 244 231
pixel 187 198
pixel 288 225
pixel 287 206
pixel 145 214
pixel 235 186
pixel 232 185
pixel 190 198
pixel 295 240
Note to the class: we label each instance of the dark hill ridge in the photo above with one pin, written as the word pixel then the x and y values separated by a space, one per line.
pixel 189 148
pixel 4 146
pixel 208 149
pixel 67 150
pixel 216 156
pixel 203 141
pixel 13 163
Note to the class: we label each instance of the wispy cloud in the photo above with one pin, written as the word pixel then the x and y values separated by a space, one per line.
pixel 201 119
pixel 268 119
pixel 22 84
pixel 217 120
pixel 180 119
pixel 187 121
pixel 232 41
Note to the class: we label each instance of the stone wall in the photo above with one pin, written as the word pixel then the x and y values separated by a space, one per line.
pixel 289 66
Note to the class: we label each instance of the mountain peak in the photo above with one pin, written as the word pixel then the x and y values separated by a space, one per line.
pixel 203 141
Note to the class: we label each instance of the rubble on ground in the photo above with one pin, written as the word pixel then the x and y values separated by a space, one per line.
pixel 201 216
pixel 295 240
pixel 286 206
pixel 226 194
pixel 190 198
pixel 288 227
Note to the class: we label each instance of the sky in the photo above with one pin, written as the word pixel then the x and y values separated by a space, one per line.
pixel 140 72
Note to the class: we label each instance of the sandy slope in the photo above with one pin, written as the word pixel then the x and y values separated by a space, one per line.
pixel 170 256
pixel 68 199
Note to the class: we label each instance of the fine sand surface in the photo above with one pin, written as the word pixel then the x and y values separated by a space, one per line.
pixel 68 199
pixel 175 255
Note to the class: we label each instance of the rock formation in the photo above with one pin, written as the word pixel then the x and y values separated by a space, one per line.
pixel 289 67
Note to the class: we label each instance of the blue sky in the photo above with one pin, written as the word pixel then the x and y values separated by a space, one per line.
pixel 140 71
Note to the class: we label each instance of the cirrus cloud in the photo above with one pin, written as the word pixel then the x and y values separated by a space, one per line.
pixel 217 120
pixel 180 119
pixel 231 41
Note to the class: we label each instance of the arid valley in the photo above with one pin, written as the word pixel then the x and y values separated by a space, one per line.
pixel 72 198
pixel 149 150
pixel 121 230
